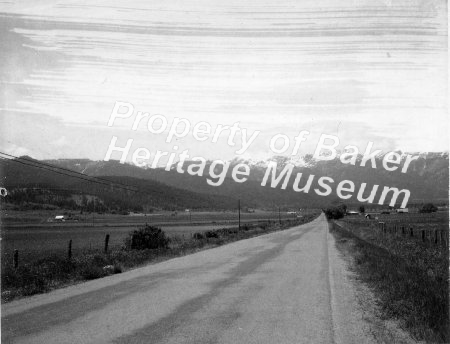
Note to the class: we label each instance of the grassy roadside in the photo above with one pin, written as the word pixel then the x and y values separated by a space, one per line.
pixel 410 279
pixel 56 271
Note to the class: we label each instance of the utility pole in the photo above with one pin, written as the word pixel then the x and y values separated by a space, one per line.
pixel 279 215
pixel 93 211
pixel 239 212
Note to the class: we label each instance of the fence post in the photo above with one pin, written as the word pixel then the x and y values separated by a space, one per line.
pixel 411 231
pixel 423 235
pixel 403 230
pixel 133 242
pixel 435 237
pixel 69 250
pixel 16 259
pixel 106 243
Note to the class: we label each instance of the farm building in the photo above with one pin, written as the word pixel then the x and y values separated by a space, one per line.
pixel 60 218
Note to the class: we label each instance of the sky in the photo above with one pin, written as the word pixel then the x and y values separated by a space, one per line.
pixel 359 70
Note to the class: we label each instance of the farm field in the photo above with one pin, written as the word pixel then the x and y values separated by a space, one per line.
pixel 428 228
pixel 46 260
pixel 34 237
pixel 46 218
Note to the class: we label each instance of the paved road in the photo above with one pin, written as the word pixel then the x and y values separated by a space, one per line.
pixel 284 287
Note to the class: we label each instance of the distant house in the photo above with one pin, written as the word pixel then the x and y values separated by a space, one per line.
pixel 60 218
pixel 402 210
pixel 352 212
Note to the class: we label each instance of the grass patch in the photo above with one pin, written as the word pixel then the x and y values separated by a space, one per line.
pixel 409 278
pixel 57 270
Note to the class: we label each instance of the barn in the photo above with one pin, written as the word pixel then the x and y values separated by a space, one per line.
pixel 60 218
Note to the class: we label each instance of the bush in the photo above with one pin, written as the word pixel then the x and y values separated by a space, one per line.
pixel 147 237
pixel 99 260
pixel 428 208
pixel 263 226
pixel 335 212
pixel 91 272
pixel 198 236
pixel 211 234
pixel 118 268
pixel 246 227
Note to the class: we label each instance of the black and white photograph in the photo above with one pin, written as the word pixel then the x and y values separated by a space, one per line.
pixel 230 172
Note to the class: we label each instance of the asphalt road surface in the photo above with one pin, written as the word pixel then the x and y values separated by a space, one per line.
pixel 284 287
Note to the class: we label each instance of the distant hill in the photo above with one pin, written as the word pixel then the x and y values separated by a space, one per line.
pixel 29 182
pixel 426 178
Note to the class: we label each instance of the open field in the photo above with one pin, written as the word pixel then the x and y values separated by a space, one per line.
pixel 431 228
pixel 50 267
pixel 46 218
pixel 34 237
pixel 406 264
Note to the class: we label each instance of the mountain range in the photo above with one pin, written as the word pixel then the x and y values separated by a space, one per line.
pixel 426 179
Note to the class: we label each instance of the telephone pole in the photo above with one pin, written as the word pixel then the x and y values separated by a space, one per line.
pixel 239 213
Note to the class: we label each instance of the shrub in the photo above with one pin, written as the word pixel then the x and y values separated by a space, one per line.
pixel 211 234
pixel 147 237
pixel 263 226
pixel 335 212
pixel 118 268
pixel 91 272
pixel 99 260
pixel 428 208
pixel 246 227
pixel 198 236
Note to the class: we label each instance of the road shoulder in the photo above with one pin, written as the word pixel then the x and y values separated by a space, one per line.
pixel 356 315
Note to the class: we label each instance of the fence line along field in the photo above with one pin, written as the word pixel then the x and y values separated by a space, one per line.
pixel 403 258
pixel 429 228
pixel 37 234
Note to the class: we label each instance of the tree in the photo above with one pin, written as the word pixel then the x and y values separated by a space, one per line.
pixel 336 212
pixel 428 208
pixel 147 237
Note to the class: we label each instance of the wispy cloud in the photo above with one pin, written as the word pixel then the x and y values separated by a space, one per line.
pixel 378 69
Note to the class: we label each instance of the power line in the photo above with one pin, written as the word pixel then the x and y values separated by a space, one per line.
pixel 79 175
pixel 58 172
pixel 60 168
